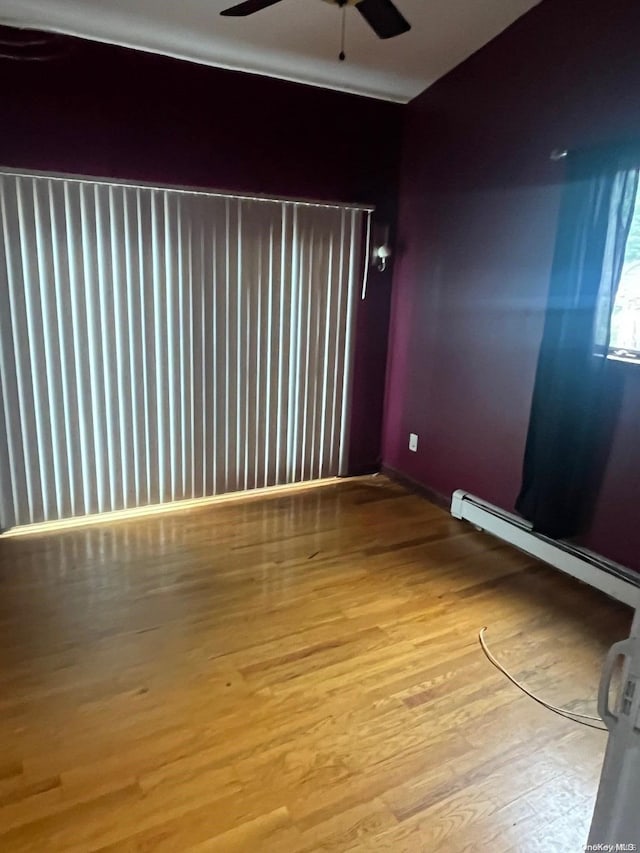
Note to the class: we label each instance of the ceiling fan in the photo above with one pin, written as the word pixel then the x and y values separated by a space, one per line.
pixel 381 15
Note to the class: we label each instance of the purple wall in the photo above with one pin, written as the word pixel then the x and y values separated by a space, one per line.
pixel 112 112
pixel 478 211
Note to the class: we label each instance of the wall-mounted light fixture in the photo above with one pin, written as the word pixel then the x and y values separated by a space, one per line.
pixel 380 247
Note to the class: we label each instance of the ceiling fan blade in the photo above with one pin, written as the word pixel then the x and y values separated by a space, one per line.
pixel 248 8
pixel 383 17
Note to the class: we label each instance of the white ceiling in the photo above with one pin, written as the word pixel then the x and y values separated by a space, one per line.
pixel 296 39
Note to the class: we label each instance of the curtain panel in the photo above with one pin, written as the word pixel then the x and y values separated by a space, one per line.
pixel 576 394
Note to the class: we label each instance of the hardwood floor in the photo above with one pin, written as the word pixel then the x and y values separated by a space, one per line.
pixel 294 673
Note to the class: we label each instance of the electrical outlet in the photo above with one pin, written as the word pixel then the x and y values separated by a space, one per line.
pixel 413 441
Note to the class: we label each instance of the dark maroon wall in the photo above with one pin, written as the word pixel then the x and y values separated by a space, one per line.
pixel 112 112
pixel 478 211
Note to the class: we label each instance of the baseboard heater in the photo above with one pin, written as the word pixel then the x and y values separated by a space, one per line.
pixel 614 580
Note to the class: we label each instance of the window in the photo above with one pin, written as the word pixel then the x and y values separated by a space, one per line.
pixel 624 342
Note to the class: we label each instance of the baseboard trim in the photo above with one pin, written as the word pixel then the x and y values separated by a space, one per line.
pixel 414 486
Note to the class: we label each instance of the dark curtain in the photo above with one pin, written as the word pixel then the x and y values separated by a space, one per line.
pixel 576 393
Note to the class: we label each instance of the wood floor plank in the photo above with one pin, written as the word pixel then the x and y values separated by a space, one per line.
pixel 293 673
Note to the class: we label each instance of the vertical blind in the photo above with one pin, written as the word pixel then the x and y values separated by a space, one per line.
pixel 159 344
